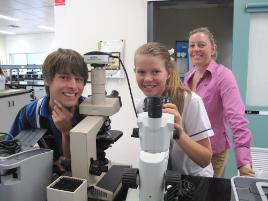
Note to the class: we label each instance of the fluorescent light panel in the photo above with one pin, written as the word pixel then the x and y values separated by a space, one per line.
pixel 7 32
pixel 46 28
pixel 8 18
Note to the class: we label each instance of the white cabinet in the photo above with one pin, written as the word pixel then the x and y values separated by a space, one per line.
pixel 11 101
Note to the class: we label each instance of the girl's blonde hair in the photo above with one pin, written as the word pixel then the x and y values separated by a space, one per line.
pixel 174 87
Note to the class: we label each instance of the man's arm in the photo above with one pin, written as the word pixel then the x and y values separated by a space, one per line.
pixel 62 118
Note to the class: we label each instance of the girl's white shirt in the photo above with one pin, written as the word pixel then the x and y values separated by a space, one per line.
pixel 197 125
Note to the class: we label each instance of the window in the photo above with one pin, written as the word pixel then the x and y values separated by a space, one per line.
pixel 27 58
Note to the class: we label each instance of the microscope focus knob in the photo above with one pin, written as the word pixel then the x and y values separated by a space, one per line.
pixel 172 184
pixel 130 178
pixel 172 178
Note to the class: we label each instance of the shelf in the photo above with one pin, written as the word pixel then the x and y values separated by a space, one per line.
pixel 20 66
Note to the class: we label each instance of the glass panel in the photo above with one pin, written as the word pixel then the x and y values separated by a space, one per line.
pixel 257 81
pixel 36 58
pixel 18 59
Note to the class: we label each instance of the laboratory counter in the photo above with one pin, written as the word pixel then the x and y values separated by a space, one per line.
pixel 210 189
pixel 33 83
pixel 27 83
pixel 13 92
pixel 205 189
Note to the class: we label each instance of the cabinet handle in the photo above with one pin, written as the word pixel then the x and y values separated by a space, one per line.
pixel 13 103
pixel 8 103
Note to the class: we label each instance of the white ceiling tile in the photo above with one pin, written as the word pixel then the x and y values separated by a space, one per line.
pixel 30 13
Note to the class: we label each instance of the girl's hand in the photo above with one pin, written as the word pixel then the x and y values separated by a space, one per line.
pixel 172 109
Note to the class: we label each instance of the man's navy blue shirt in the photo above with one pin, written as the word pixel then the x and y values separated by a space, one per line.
pixel 31 121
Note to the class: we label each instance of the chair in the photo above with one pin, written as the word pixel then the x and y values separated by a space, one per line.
pixel 260 161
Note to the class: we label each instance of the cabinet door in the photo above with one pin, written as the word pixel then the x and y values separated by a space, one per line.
pixel 9 107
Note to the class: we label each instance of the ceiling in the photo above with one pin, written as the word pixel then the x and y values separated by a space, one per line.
pixel 30 13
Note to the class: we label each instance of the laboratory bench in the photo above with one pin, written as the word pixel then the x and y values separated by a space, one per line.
pixel 25 83
pixel 210 189
pixel 205 189
pixel 195 188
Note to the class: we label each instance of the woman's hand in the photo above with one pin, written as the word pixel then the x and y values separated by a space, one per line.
pixel 246 170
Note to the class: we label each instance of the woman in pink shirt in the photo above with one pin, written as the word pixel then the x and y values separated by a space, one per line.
pixel 217 86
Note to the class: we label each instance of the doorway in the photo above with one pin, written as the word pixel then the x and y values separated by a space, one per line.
pixel 171 21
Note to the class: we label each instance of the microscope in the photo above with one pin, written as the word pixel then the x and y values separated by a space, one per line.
pixel 155 131
pixel 92 136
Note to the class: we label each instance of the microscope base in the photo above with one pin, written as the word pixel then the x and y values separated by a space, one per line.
pixel 132 194
pixel 109 185
pixel 67 189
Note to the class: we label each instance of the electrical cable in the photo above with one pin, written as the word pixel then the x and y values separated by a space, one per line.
pixel 129 87
pixel 9 147
pixel 7 135
pixel 131 95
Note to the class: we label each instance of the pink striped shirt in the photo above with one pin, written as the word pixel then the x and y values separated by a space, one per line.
pixel 220 94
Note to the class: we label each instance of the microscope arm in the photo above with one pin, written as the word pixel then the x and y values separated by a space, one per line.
pixel 83 146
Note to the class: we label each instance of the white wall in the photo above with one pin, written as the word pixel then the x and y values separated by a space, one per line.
pixel 2 50
pixel 80 25
pixel 30 43
pixel 176 23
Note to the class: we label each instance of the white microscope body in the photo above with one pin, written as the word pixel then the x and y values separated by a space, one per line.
pixel 99 179
pixel 85 137
pixel 155 131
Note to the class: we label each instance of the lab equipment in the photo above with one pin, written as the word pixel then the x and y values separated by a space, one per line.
pixel 155 131
pixel 92 136
pixel 249 189
pixel 67 189
pixel 25 173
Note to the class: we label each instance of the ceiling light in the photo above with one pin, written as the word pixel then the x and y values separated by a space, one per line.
pixel 8 18
pixel 7 32
pixel 12 26
pixel 46 28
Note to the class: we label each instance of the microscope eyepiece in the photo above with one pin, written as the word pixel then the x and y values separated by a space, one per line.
pixel 155 104
pixel 155 107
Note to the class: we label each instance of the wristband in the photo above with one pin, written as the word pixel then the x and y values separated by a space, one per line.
pixel 177 133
